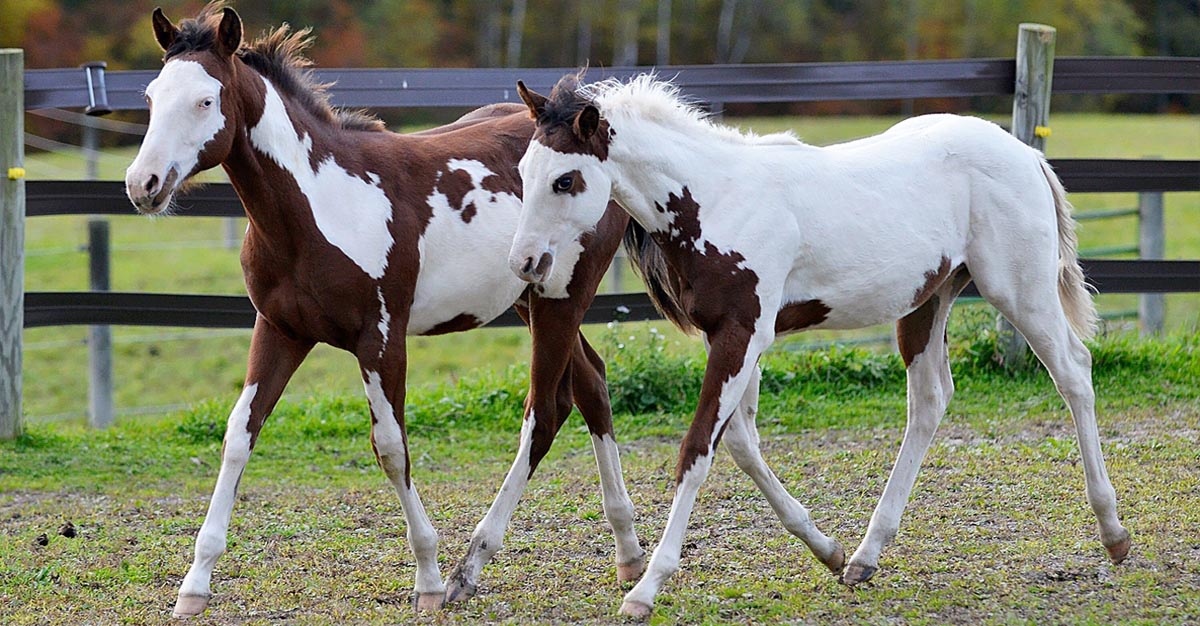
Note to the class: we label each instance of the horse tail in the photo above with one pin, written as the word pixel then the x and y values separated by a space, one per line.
pixel 1073 290
pixel 648 261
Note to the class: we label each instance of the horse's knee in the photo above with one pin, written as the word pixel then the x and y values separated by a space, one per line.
pixel 210 544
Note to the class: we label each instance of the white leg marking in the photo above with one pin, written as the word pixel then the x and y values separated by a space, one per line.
pixel 618 508
pixel 665 560
pixel 385 320
pixel 488 536
pixel 742 441
pixel 210 542
pixel 390 446
pixel 929 392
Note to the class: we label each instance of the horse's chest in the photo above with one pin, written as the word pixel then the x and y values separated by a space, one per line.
pixel 304 296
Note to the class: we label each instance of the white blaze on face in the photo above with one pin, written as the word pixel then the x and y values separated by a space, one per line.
pixel 185 114
pixel 351 213
pixel 554 222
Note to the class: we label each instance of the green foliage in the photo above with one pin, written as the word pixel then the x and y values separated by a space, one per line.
pixel 645 377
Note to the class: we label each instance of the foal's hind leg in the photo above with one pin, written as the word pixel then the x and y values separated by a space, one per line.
pixel 1035 309
pixel 741 439
pixel 274 357
pixel 922 343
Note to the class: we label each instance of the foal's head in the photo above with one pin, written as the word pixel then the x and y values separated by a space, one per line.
pixel 192 110
pixel 566 187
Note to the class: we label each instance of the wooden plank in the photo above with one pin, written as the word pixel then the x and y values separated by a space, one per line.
pixel 12 238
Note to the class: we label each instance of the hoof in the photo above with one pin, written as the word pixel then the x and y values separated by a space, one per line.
pixel 836 561
pixel 856 574
pixel 635 609
pixel 429 601
pixel 459 591
pixel 631 571
pixel 458 588
pixel 190 606
pixel 1119 550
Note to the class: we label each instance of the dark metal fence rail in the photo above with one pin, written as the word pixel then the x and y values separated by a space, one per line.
pixel 795 82
pixel 805 82
pixel 196 311
pixel 71 197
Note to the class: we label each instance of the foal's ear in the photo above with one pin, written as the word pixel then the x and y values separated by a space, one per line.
pixel 164 31
pixel 586 122
pixel 229 33
pixel 534 100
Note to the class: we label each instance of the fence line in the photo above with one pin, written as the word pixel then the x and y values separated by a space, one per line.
pixel 46 90
pixel 91 121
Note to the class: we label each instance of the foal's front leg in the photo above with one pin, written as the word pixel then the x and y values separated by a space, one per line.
pixel 383 377
pixel 732 360
pixel 274 357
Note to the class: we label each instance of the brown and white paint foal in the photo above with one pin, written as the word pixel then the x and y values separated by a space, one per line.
pixel 747 237
pixel 357 238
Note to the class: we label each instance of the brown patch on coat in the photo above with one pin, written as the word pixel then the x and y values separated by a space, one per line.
pixel 913 330
pixel 578 185
pixel 717 297
pixel 933 279
pixel 456 324
pixel 455 185
pixel 800 315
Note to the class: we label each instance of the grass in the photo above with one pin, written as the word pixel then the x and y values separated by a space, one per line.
pixel 998 530
pixel 187 256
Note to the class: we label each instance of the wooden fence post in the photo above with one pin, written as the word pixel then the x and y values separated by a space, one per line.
pixel 1030 124
pixel 12 237
pixel 1151 245
pixel 100 358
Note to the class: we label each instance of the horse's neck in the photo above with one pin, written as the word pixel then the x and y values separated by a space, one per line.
pixel 650 163
pixel 270 159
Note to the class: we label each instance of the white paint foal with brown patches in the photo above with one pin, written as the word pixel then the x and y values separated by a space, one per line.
pixel 748 237
pixel 357 238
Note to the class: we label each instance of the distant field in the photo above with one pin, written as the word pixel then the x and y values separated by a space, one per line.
pixel 158 367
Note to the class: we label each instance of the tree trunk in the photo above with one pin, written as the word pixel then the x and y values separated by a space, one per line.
pixel 487 52
pixel 625 52
pixel 663 50
pixel 745 32
pixel 725 30
pixel 583 50
pixel 516 30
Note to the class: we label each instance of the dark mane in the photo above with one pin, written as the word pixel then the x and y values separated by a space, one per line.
pixel 564 102
pixel 279 56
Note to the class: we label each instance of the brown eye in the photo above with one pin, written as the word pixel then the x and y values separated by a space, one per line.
pixel 564 183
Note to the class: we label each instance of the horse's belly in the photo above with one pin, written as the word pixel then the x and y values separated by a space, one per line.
pixel 881 295
pixel 464 266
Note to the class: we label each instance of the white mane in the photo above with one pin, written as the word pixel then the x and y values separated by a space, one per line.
pixel 648 98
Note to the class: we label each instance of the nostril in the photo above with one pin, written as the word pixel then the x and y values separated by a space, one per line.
pixel 152 184
pixel 525 269
pixel 543 265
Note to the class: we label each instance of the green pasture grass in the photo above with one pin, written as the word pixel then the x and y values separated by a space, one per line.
pixel 160 367
pixel 998 529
